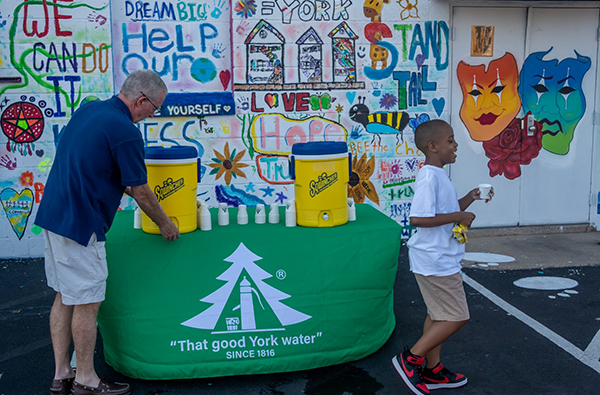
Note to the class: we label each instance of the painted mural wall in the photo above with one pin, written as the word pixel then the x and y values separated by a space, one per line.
pixel 247 80
pixel 54 56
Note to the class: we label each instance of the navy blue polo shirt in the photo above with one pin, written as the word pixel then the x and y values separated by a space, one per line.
pixel 100 153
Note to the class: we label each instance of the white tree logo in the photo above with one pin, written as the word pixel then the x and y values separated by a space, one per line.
pixel 243 259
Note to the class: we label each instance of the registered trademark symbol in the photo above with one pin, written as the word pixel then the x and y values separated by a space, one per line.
pixel 280 274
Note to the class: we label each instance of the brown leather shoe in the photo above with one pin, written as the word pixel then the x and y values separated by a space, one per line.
pixel 62 386
pixel 105 387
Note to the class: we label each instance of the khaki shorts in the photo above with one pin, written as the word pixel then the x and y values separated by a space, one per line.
pixel 78 272
pixel 444 296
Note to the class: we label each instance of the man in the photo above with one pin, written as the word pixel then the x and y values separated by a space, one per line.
pixel 100 156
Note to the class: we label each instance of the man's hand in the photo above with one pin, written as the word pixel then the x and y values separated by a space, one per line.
pixel 169 231
pixel 146 199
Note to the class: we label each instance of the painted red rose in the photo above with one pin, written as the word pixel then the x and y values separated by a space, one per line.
pixel 512 148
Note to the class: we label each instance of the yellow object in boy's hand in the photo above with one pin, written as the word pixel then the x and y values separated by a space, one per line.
pixel 460 233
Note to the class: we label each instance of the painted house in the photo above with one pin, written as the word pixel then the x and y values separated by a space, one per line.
pixel 343 53
pixel 517 81
pixel 264 60
pixel 310 57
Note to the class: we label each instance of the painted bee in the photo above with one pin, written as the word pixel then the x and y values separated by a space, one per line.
pixel 379 123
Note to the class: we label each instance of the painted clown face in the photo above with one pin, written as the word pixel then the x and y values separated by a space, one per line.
pixel 490 98
pixel 551 90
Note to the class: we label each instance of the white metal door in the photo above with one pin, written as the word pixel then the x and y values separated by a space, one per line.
pixel 471 167
pixel 544 176
pixel 556 186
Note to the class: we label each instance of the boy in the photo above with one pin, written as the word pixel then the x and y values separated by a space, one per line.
pixel 435 257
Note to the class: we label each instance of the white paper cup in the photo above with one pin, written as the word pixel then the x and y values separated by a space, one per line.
pixel 485 190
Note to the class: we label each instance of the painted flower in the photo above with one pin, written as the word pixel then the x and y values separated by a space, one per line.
pixel 245 9
pixel 26 179
pixel 512 148
pixel 339 108
pixel 228 164
pixel 359 185
pixel 409 9
pixel 388 101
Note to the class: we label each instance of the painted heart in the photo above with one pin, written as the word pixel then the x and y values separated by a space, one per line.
pixel 225 77
pixel 420 59
pixel 226 108
pixel 438 105
pixel 17 207
pixel 39 152
pixel 350 96
pixel 272 100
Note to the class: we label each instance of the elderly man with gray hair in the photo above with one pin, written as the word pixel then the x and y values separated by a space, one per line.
pixel 99 157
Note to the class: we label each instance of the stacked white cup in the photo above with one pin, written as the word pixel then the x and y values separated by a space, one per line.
pixel 290 213
pixel 242 216
pixel 223 216
pixel 205 219
pixel 351 210
pixel 274 214
pixel 259 216
pixel 137 218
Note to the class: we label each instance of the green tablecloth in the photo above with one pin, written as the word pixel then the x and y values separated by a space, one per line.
pixel 247 299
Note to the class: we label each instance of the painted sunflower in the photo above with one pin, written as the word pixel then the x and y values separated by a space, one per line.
pixel 228 163
pixel 359 185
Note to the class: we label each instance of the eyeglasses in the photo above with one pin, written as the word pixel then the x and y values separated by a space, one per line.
pixel 150 101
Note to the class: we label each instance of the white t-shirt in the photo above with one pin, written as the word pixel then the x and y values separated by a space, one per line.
pixel 434 251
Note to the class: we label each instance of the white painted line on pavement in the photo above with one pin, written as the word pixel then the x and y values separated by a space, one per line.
pixel 592 352
pixel 587 357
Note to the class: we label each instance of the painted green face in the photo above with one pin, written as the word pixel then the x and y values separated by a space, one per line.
pixel 552 91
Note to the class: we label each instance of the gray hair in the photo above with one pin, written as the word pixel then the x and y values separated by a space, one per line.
pixel 146 81
pixel 428 131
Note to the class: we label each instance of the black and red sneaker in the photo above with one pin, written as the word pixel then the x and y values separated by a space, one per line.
pixel 439 377
pixel 409 367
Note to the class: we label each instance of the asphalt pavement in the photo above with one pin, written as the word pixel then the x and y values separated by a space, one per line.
pixel 541 336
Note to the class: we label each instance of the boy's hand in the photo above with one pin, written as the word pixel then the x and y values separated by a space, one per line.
pixel 466 218
pixel 476 194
